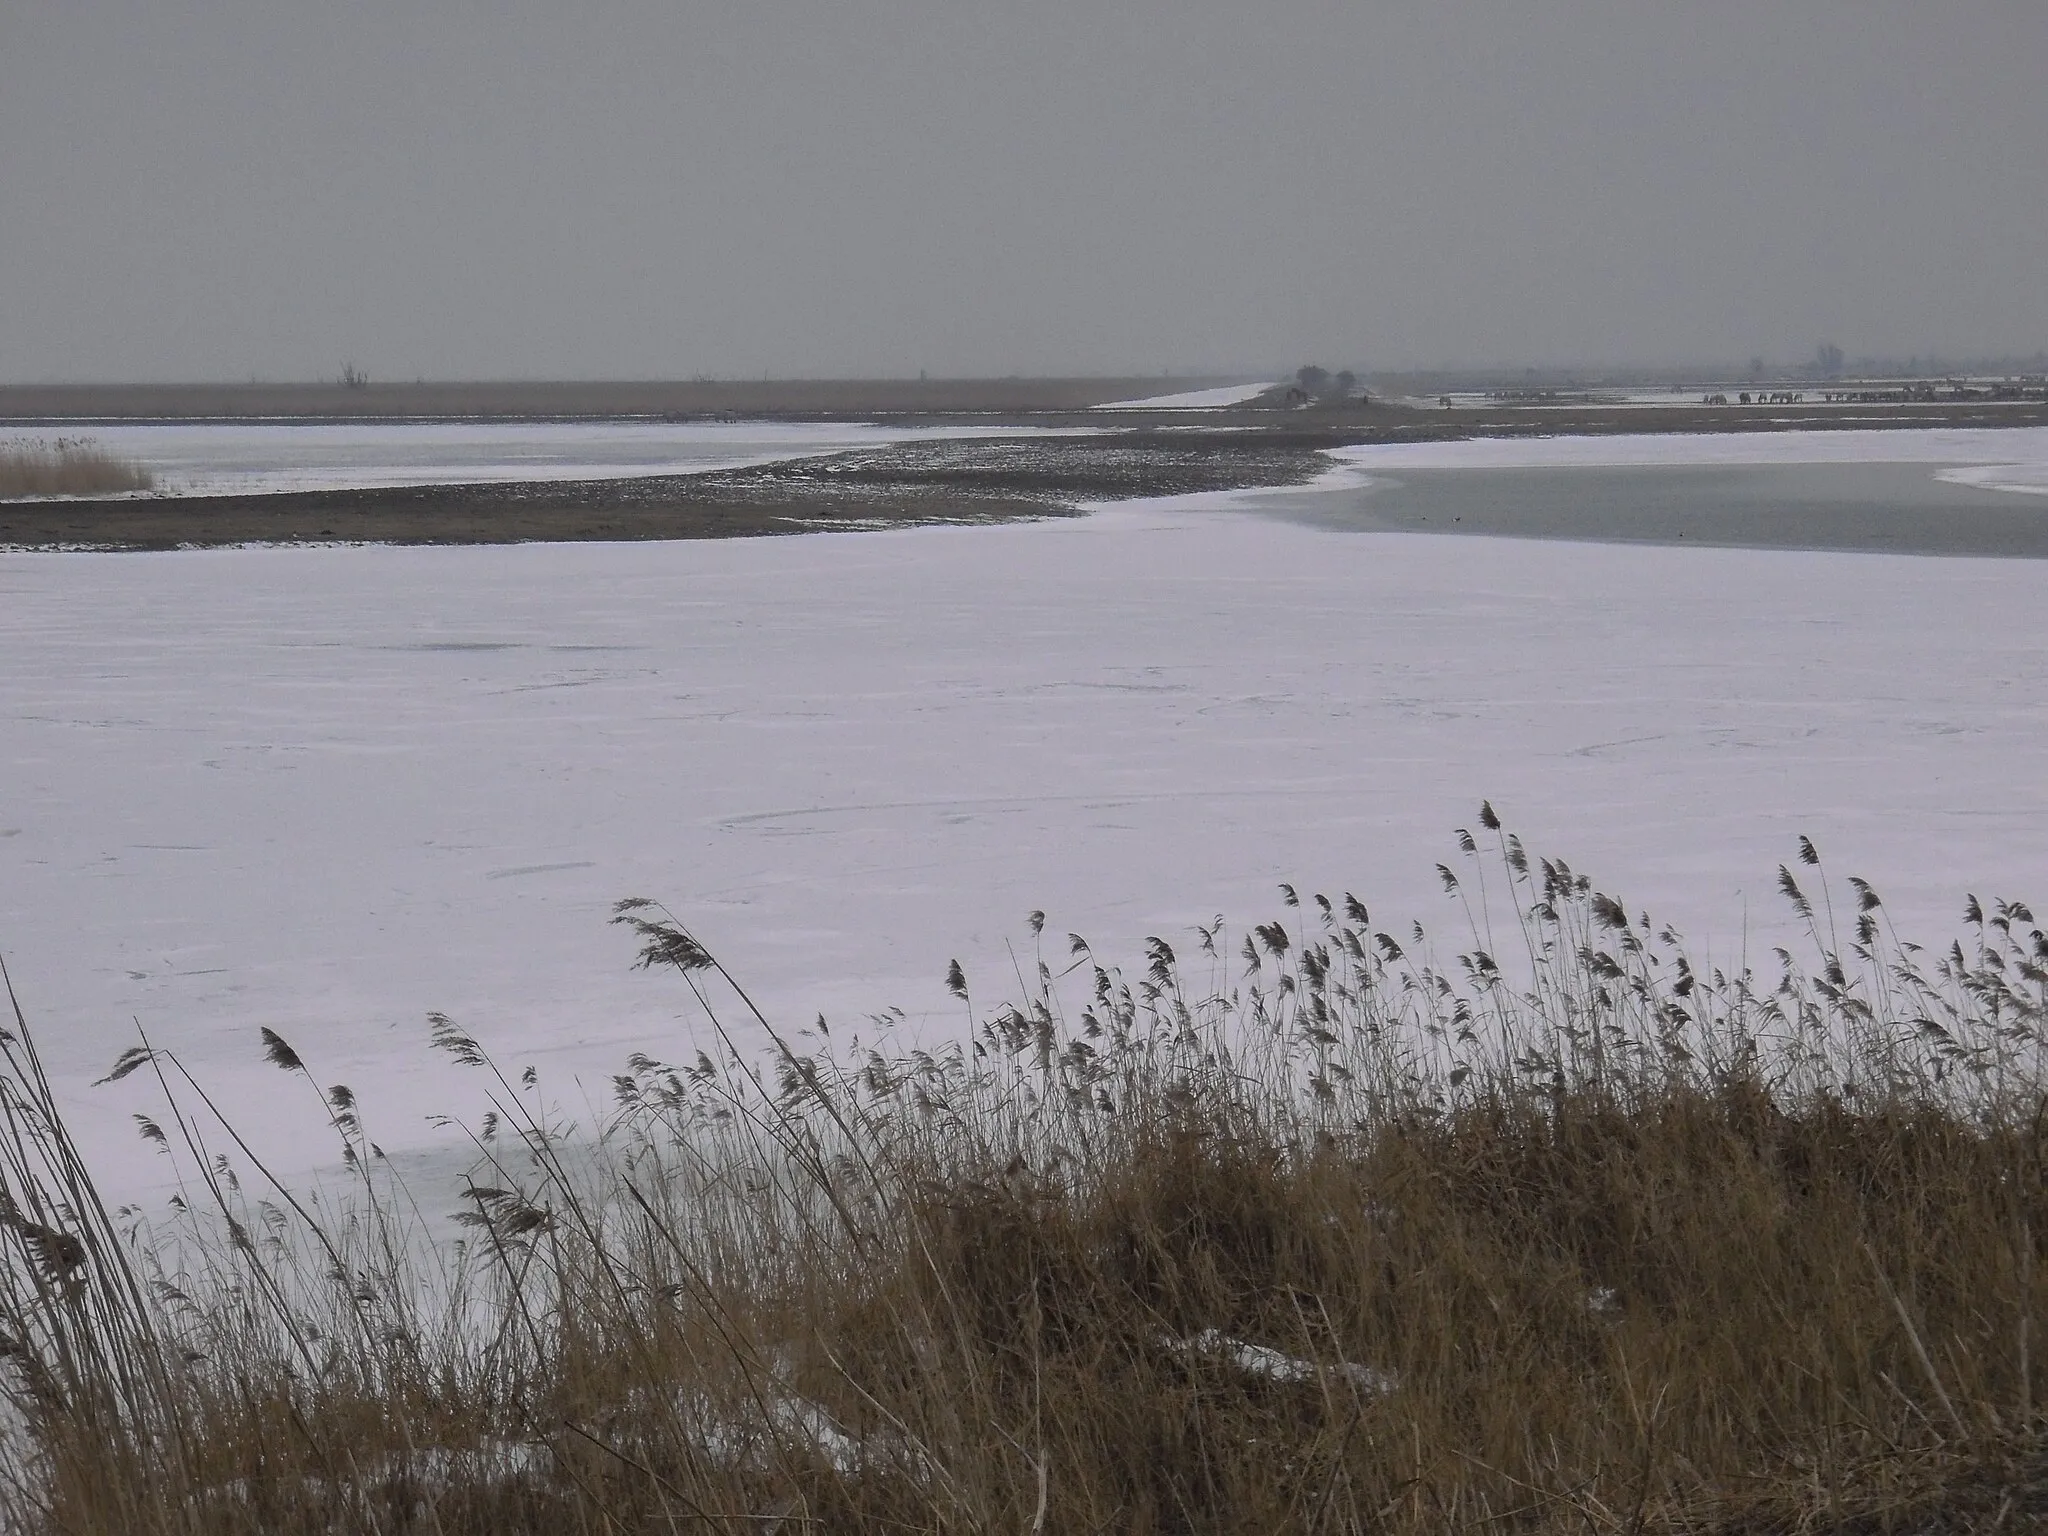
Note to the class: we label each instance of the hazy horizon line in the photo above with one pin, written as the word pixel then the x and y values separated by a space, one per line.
pixel 1592 370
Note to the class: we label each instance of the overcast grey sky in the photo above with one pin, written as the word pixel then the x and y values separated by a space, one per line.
pixel 214 189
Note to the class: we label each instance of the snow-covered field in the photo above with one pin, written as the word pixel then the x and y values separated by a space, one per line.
pixel 221 459
pixel 327 790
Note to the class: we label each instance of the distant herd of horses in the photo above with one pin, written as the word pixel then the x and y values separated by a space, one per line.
pixel 2026 389
pixel 1774 397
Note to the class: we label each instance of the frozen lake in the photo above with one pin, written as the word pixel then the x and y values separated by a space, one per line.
pixel 327 790
pixel 1958 492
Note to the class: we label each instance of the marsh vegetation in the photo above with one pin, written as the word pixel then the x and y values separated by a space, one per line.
pixel 1326 1225
pixel 67 466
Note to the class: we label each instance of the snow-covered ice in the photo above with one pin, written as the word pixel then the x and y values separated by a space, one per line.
pixel 2026 479
pixel 327 790
pixel 2012 459
pixel 1975 446
pixel 246 458
pixel 1191 399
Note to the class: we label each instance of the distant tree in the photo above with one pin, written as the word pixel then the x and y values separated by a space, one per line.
pixel 1347 384
pixel 1827 360
pixel 1314 381
pixel 353 377
pixel 1756 367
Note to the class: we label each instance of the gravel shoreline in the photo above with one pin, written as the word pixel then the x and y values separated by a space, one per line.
pixel 903 485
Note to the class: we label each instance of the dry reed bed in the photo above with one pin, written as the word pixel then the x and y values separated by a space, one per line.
pixel 67 466
pixel 1309 1230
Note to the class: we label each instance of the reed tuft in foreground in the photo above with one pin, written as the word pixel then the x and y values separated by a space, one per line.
pixel 1314 1228
pixel 67 466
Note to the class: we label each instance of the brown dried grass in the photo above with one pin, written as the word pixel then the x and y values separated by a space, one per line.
pixel 1314 1234
pixel 67 466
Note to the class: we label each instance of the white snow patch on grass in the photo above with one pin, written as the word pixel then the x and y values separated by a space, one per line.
pixel 1277 1365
